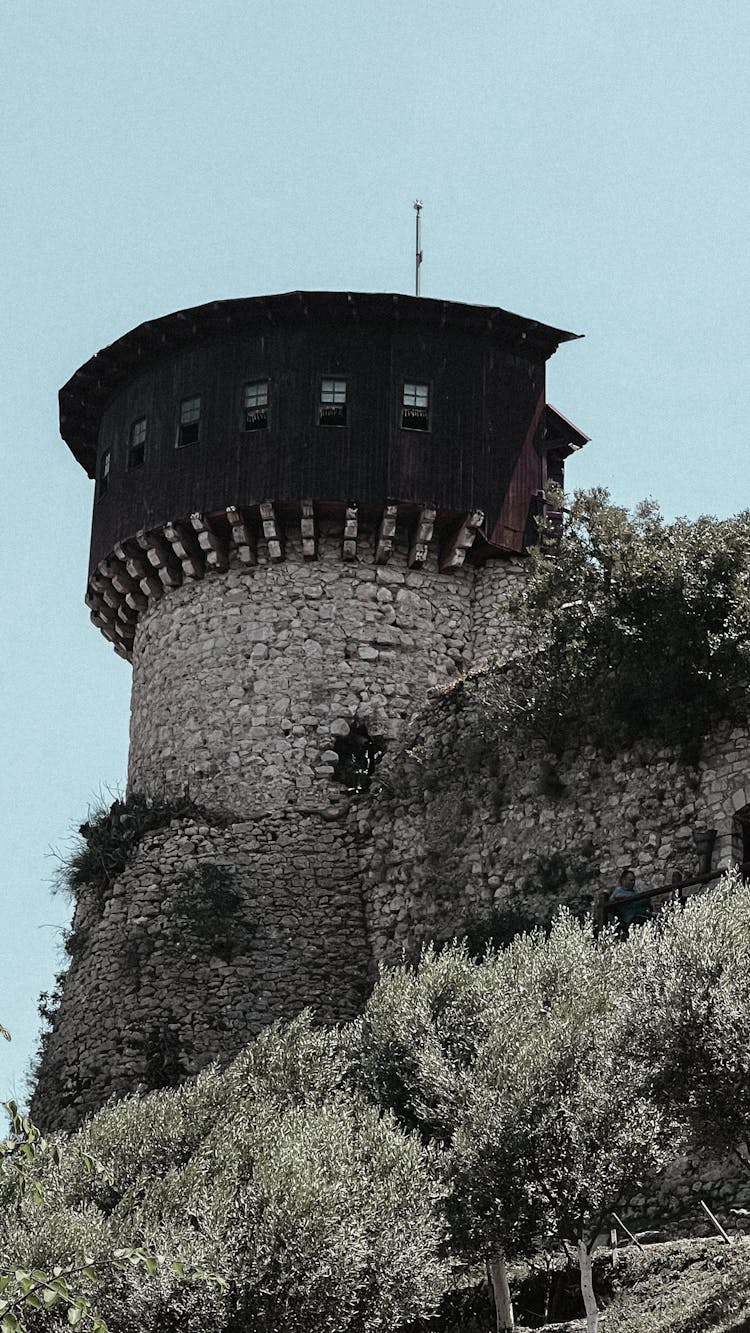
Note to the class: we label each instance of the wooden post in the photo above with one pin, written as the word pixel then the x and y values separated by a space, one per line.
pixel 386 533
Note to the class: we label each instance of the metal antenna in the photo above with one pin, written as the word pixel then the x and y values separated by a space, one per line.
pixel 418 265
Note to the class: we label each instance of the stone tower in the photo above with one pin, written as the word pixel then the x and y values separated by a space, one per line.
pixel 308 509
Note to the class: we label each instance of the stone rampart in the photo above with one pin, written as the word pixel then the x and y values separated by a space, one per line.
pixel 242 683
pixel 466 827
pixel 209 934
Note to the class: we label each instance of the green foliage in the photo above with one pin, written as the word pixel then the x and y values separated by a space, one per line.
pixel 520 1073
pixel 36 1288
pixel 496 928
pixel 207 909
pixel 109 838
pixel 312 1208
pixel 632 628
pixel 691 979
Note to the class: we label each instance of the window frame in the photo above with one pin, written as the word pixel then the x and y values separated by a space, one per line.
pixel 416 407
pixel 260 408
pixel 180 442
pixel 133 463
pixel 336 409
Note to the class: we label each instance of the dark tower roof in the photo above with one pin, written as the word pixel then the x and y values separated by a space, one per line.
pixel 87 393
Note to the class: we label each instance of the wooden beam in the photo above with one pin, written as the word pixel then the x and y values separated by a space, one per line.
pixel 123 583
pixel 422 537
pixel 242 538
pixel 209 541
pixel 160 557
pixel 386 533
pixel 186 549
pixel 351 523
pixel 307 528
pixel 136 600
pixel 109 567
pixel 454 553
pixel 105 629
pixel 152 587
pixel 133 559
pixel 271 531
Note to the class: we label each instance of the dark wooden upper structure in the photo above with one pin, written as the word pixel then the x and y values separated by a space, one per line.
pixel 331 397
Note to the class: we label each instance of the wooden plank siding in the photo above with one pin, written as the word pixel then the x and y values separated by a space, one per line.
pixel 481 451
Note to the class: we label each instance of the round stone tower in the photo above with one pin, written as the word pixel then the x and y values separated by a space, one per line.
pixel 307 510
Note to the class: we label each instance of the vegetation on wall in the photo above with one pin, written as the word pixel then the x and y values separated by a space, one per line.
pixel 208 910
pixel 631 628
pixel 109 838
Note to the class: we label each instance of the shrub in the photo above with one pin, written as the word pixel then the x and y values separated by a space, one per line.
pixel 631 628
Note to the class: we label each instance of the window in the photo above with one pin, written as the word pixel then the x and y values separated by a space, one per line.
pixel 256 406
pixel 332 403
pixel 190 421
pixel 137 444
pixel 415 411
pixel 104 473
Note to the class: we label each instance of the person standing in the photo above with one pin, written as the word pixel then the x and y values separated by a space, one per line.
pixel 629 913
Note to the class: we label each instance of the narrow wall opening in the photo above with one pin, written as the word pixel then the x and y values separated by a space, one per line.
pixel 359 754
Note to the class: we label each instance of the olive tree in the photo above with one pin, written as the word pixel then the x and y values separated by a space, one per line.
pixel 690 977
pixel 520 1071
pixel 295 1204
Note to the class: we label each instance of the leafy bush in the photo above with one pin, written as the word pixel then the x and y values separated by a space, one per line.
pixel 631 628
pixel 109 837
pixel 314 1209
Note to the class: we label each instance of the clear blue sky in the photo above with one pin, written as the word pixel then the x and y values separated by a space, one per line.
pixel 580 162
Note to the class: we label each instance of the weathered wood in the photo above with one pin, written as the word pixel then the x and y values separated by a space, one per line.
pixel 186 549
pixel 110 567
pixel 151 586
pixel 136 600
pixel 351 524
pixel 123 583
pixel 98 582
pixel 271 531
pixel 210 542
pixel 386 533
pixel 160 557
pixel 100 610
pixel 307 529
pixel 422 537
pixel 715 1222
pixel 454 553
pixel 622 1226
pixel 137 567
pixel 242 537
pixel 104 628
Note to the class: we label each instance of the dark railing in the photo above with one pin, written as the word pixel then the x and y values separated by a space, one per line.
pixel 606 911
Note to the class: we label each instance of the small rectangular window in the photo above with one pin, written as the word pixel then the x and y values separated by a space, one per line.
pixel 332 411
pixel 415 410
pixel 256 406
pixel 190 421
pixel 137 444
pixel 104 473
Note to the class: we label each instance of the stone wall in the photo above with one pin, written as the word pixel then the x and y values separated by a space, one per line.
pixel 243 682
pixel 464 826
pixel 210 933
